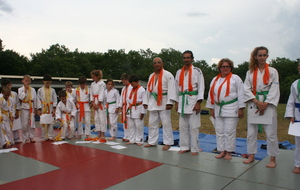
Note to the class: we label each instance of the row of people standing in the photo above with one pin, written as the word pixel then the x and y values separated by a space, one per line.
pixel 227 98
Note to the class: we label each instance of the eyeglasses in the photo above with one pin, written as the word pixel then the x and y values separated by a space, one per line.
pixel 262 55
pixel 224 67
pixel 186 57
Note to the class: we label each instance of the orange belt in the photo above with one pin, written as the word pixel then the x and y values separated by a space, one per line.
pixel 100 105
pixel 81 109
pixel 30 109
pixel 47 105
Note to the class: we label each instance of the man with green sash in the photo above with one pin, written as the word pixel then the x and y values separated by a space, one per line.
pixel 189 86
pixel 157 100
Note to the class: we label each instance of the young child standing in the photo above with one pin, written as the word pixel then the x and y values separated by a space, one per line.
pixel 7 117
pixel 136 112
pixel 46 104
pixel 82 99
pixel 112 101
pixel 97 97
pixel 16 104
pixel 27 95
pixel 123 104
pixel 65 113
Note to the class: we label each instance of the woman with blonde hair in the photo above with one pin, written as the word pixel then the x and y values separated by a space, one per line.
pixel 262 94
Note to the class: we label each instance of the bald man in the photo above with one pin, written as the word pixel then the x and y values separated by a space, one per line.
pixel 158 101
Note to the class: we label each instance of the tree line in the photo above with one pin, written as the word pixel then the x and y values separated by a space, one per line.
pixel 59 61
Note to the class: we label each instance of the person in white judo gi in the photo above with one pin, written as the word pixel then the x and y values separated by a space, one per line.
pixel 262 94
pixel 112 101
pixel 123 104
pixel 17 126
pixel 157 100
pixel 46 104
pixel 98 98
pixel 189 85
pixel 65 113
pixel 27 96
pixel 7 112
pixel 292 113
pixel 226 104
pixel 83 103
pixel 136 112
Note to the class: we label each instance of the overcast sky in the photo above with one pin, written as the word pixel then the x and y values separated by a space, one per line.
pixel 211 29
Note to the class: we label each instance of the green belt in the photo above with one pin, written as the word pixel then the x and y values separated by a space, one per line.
pixel 264 93
pixel 155 95
pixel 183 99
pixel 107 108
pixel 221 104
pixel 129 109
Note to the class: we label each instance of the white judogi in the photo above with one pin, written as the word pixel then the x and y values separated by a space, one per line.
pixel 82 97
pixel 293 111
pixel 112 101
pixel 272 100
pixel 159 113
pixel 124 106
pixel 189 123
pixel 62 110
pixel 27 119
pixel 7 110
pixel 226 119
pixel 17 122
pixel 97 95
pixel 46 108
pixel 135 124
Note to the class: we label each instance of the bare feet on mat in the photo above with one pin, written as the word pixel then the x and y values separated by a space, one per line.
pixel 272 163
pixel 125 140
pixel 296 170
pixel 194 153
pixel 166 147
pixel 129 143
pixel 183 151
pixel 111 138
pixel 32 140
pixel 221 155
pixel 249 160
pixel 139 144
pixel 228 156
pixel 149 145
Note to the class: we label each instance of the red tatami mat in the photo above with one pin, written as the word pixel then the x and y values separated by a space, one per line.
pixel 58 155
pixel 98 173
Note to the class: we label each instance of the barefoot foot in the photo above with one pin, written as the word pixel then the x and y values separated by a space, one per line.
pixel 194 153
pixel 166 147
pixel 183 151
pixel 149 145
pixel 296 170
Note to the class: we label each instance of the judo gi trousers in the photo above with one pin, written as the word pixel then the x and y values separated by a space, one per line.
pixel 136 130
pixel 154 118
pixel 225 133
pixel 189 131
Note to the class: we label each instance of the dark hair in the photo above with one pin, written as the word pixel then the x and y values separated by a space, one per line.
pixel 110 80
pixel 62 93
pixel 5 89
pixel 82 80
pixel 188 51
pixel 47 78
pixel 124 76
pixel 5 82
pixel 133 78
